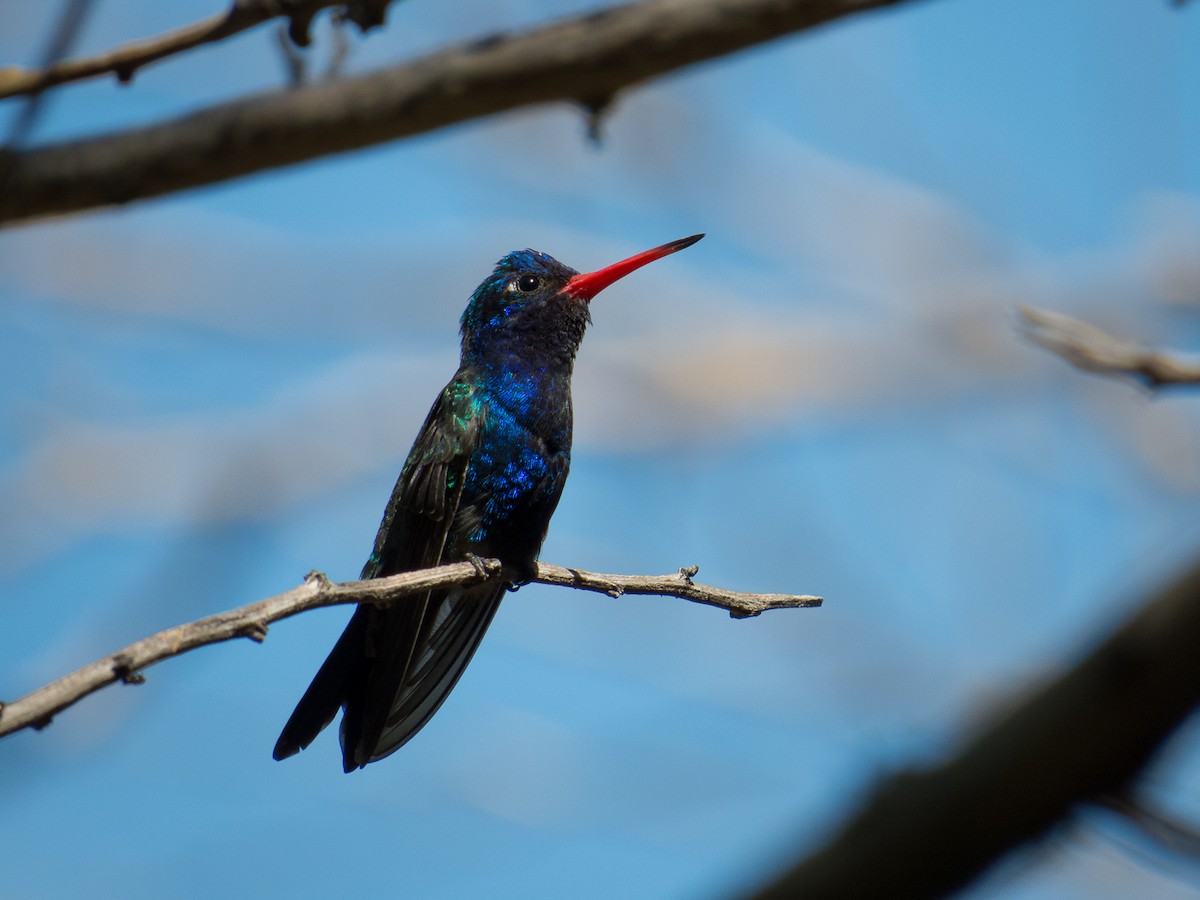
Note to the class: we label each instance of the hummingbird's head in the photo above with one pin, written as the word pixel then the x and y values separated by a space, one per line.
pixel 523 286
pixel 534 307
pixel 520 311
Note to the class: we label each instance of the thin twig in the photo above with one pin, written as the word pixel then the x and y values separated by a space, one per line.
pixel 584 60
pixel 67 29
pixel 1095 350
pixel 294 62
pixel 35 710
pixel 739 605
pixel 125 60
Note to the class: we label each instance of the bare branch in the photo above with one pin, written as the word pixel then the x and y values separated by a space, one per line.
pixel 1171 834
pixel 1079 738
pixel 739 605
pixel 125 60
pixel 586 59
pixel 36 710
pixel 70 23
pixel 1095 350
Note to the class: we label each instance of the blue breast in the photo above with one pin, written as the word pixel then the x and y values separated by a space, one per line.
pixel 517 472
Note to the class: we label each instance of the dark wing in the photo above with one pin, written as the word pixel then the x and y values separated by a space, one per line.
pixel 392 667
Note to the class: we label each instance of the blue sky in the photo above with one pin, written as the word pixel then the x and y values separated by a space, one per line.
pixel 208 395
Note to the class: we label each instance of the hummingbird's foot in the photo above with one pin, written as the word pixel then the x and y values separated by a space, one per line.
pixel 480 566
pixel 522 574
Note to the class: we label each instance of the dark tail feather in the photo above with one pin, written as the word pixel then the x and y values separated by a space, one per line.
pixel 390 671
pixel 421 663
pixel 343 668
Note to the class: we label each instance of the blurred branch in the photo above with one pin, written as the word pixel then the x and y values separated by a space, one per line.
pixel 36 710
pixel 585 59
pixel 1167 832
pixel 1095 350
pixel 70 23
pixel 125 60
pixel 1079 738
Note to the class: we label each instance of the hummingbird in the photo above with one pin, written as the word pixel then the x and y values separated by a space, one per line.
pixel 481 481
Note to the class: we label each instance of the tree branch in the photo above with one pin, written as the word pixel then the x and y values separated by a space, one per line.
pixel 1090 348
pixel 586 59
pixel 1080 738
pixel 1169 833
pixel 36 709
pixel 125 60
pixel 70 23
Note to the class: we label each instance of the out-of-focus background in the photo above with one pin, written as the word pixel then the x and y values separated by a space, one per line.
pixel 208 395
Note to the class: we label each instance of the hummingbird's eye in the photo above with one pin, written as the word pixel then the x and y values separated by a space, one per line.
pixel 527 284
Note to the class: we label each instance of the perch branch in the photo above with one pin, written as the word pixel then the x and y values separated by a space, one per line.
pixel 36 710
pixel 125 60
pixel 586 59
pixel 1095 350
pixel 739 605
pixel 1079 738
